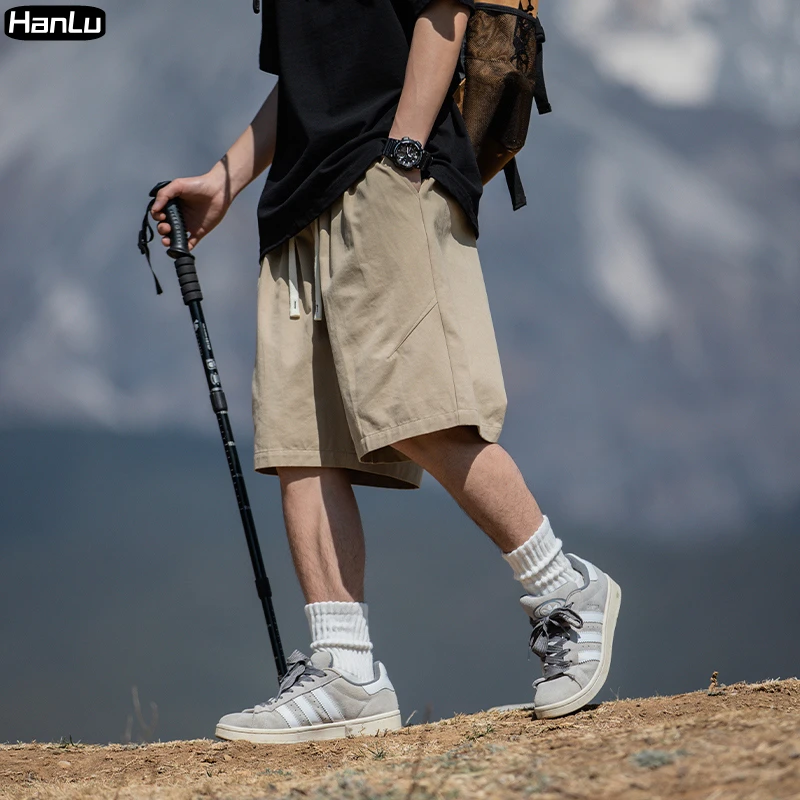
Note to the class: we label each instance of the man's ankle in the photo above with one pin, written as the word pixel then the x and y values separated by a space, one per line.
pixel 539 564
pixel 342 630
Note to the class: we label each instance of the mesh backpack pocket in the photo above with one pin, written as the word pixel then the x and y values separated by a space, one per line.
pixel 502 68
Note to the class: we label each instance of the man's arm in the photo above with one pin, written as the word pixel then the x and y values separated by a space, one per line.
pixel 207 198
pixel 435 48
pixel 254 150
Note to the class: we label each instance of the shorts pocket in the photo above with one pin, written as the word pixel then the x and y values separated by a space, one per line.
pixel 420 319
pixel 389 166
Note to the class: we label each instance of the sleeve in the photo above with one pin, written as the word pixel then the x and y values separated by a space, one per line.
pixel 420 5
pixel 268 60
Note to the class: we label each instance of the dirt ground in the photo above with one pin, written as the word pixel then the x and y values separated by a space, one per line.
pixel 729 743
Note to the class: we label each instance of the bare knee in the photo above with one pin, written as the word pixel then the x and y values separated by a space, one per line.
pixel 290 474
pixel 418 447
pixel 312 479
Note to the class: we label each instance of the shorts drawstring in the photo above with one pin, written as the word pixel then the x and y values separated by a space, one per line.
pixel 294 294
pixel 294 284
pixel 317 271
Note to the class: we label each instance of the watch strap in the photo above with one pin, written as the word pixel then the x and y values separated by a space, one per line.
pixel 388 148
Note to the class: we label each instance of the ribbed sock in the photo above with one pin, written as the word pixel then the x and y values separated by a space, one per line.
pixel 341 629
pixel 539 565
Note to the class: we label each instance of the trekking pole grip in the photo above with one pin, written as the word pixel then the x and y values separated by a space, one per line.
pixel 179 248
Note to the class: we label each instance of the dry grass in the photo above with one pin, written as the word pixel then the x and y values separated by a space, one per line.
pixel 739 742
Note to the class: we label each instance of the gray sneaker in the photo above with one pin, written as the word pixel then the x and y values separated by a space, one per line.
pixel 315 701
pixel 573 630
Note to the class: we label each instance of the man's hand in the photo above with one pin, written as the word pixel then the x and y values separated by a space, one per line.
pixel 204 202
pixel 432 59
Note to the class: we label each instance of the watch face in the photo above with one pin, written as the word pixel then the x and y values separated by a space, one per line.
pixel 408 154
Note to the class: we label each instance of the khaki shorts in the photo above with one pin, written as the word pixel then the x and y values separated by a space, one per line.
pixel 373 327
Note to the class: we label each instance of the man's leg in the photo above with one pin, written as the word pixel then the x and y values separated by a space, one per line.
pixel 326 539
pixel 572 605
pixel 325 534
pixel 338 691
pixel 486 483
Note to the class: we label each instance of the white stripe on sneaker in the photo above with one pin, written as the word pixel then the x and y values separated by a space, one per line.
pixel 328 703
pixel 318 708
pixel 592 616
pixel 588 655
pixel 590 636
pixel 289 716
pixel 312 715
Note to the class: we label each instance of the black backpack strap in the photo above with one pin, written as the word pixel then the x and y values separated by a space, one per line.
pixel 511 171
pixel 540 90
pixel 514 182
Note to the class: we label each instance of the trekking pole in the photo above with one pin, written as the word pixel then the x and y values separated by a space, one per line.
pixel 192 297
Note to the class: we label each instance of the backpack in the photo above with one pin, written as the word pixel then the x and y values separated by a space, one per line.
pixel 501 77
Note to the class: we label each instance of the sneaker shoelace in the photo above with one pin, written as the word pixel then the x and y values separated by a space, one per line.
pixel 300 670
pixel 549 639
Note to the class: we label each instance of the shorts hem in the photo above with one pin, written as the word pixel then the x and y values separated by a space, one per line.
pixel 418 427
pixel 399 475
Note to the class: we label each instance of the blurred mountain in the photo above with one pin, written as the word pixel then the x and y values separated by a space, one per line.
pixel 646 300
pixel 738 53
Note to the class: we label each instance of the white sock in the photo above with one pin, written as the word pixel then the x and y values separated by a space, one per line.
pixel 341 629
pixel 539 565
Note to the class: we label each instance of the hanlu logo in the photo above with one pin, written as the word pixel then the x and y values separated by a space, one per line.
pixel 53 23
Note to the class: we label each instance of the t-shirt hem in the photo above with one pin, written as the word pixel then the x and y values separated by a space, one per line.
pixel 337 189
pixel 440 172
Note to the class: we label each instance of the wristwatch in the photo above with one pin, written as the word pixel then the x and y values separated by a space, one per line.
pixel 407 153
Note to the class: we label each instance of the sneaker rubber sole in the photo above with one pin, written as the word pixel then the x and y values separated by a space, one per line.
pixel 588 693
pixel 366 726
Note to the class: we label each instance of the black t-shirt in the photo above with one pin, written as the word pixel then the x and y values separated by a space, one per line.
pixel 341 66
